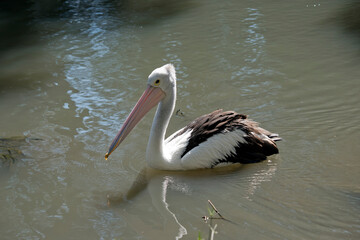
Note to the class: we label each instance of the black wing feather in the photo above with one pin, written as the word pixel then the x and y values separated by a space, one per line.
pixel 260 143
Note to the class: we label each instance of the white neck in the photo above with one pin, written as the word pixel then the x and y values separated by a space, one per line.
pixel 155 155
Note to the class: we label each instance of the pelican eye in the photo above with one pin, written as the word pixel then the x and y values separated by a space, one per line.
pixel 157 82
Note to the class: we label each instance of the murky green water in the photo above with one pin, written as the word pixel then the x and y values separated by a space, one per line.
pixel 71 72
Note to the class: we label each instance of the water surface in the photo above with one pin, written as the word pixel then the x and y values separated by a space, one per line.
pixel 70 74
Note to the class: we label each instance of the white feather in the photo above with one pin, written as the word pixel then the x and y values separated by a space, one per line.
pixel 174 147
pixel 213 149
pixel 207 153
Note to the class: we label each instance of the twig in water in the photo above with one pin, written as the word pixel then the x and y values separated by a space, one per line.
pixel 179 113
pixel 213 206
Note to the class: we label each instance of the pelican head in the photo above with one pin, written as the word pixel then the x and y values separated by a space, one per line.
pixel 160 86
pixel 163 77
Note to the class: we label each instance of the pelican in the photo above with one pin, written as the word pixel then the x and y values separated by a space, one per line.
pixel 215 139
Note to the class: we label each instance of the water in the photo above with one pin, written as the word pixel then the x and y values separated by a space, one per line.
pixel 70 73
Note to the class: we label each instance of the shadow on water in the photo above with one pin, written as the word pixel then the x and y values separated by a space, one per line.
pixel 160 187
pixel 20 39
pixel 21 22
pixel 17 17
pixel 146 175
pixel 349 18
pixel 16 20
pixel 144 12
